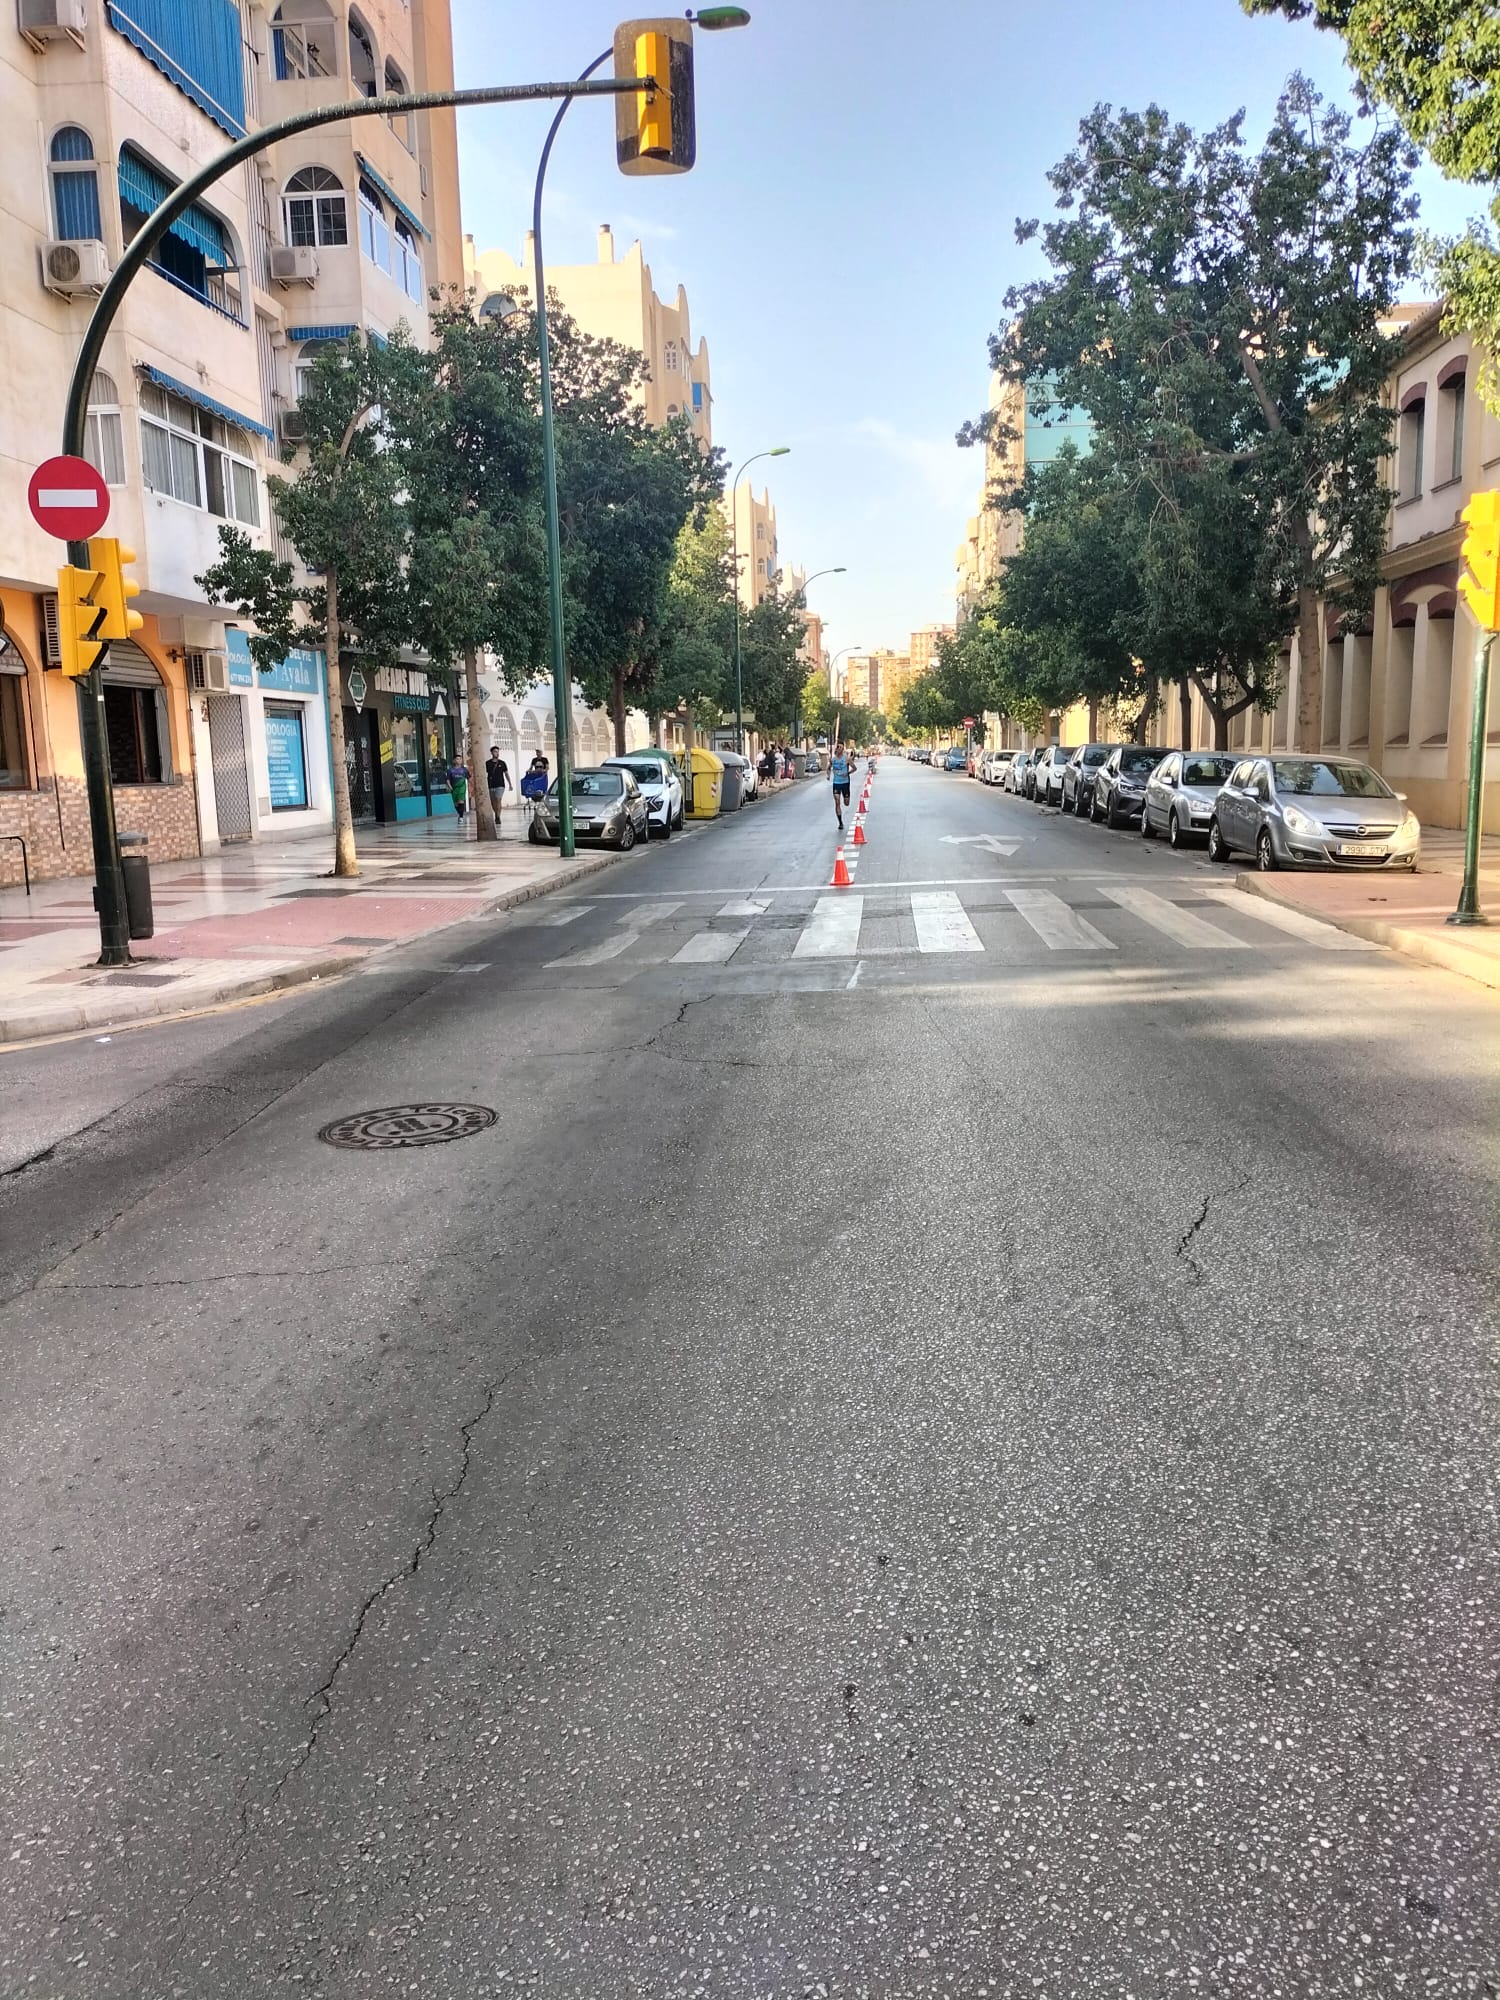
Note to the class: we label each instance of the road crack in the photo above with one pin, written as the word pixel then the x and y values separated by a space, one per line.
pixel 1183 1253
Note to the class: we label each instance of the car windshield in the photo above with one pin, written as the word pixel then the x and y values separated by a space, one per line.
pixel 1207 770
pixel 1141 760
pixel 593 785
pixel 647 774
pixel 1310 775
pixel 1096 756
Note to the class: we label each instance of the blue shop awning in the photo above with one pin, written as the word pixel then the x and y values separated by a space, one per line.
pixel 204 402
pixel 146 189
pixel 391 195
pixel 322 332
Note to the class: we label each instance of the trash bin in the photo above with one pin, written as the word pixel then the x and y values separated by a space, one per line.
pixel 135 866
pixel 705 784
pixel 735 767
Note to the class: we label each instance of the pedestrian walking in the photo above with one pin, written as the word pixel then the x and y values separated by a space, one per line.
pixel 840 770
pixel 497 777
pixel 458 787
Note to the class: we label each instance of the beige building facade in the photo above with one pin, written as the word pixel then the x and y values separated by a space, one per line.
pixel 198 381
pixel 753 522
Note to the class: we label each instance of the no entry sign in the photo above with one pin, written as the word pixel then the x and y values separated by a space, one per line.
pixel 68 498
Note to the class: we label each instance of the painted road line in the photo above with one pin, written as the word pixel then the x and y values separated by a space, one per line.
pixel 1312 930
pixel 745 906
pixel 650 913
pixel 596 954
pixel 555 918
pixel 832 931
pixel 1178 924
pixel 710 948
pixel 942 924
pixel 1058 927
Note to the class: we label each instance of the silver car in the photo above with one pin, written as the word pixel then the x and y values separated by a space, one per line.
pixel 1017 773
pixel 1180 795
pixel 607 807
pixel 1312 812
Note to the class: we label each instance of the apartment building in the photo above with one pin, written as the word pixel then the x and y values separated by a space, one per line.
pixel 106 108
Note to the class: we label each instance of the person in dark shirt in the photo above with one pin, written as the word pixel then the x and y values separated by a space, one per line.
pixel 497 777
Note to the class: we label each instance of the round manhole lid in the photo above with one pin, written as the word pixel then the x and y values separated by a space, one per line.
pixel 407 1125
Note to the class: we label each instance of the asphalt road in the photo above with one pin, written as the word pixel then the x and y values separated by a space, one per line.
pixel 942 1450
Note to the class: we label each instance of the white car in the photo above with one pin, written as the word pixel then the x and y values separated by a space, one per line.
pixel 993 766
pixel 661 787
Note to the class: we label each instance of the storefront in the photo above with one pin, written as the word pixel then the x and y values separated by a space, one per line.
pixel 273 728
pixel 417 742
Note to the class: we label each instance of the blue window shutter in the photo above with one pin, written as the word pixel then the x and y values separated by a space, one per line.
pixel 145 189
pixel 197 44
pixel 76 200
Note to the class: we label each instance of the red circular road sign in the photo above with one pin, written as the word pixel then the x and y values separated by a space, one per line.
pixel 68 498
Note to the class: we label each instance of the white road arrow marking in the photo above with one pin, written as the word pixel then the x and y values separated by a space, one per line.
pixel 990 840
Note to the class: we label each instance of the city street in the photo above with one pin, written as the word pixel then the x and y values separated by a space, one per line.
pixel 942 1442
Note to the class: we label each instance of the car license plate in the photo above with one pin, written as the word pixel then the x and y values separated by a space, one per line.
pixel 1361 847
pixel 583 826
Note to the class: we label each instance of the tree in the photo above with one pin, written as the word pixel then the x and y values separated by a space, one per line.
pixel 1210 308
pixel 772 670
pixel 347 516
pixel 697 627
pixel 1436 65
pixel 815 705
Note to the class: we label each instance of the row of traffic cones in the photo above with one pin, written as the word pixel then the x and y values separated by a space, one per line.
pixel 841 875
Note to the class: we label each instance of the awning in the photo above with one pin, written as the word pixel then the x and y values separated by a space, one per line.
pixel 391 195
pixel 321 332
pixel 146 189
pixel 198 44
pixel 203 402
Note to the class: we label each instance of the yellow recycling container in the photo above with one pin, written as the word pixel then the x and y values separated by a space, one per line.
pixel 705 784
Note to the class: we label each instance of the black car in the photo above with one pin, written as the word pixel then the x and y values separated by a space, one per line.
pixel 1119 793
pixel 1078 777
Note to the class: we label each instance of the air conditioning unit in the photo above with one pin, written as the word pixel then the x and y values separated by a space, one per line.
pixel 208 673
pixel 72 268
pixel 294 264
pixel 291 427
pixel 44 21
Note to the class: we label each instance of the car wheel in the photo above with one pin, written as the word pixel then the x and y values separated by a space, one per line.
pixel 1265 853
pixel 1174 831
pixel 627 836
pixel 1093 808
pixel 1148 831
pixel 1218 846
pixel 533 836
pixel 680 811
pixel 666 828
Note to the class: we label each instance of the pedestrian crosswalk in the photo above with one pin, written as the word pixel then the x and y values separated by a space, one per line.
pixel 1082 917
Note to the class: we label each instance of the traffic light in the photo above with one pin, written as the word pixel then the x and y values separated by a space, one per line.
pixel 116 589
pixel 80 619
pixel 1479 585
pixel 655 129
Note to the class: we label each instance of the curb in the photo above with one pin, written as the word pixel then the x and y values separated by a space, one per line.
pixel 1448 953
pixel 122 1011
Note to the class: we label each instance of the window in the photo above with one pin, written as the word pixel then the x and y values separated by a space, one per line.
pixel 132 720
pixel 374 230
pixel 103 437
pixel 408 262
pixel 195 254
pixel 314 210
pixel 1413 443
pixel 671 357
pixel 760 531
pixel 75 185
pixel 1454 398
pixel 194 456
pixel 13 771
pixel 400 122
pixel 363 70
pixel 303 40
pixel 286 756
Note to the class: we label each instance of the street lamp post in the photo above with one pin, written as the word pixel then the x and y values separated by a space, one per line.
pixel 837 570
pixel 776 451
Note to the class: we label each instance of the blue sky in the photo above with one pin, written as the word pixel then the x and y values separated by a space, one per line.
pixel 848 232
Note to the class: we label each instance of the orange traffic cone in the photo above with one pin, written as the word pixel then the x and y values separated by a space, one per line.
pixel 840 871
pixel 859 833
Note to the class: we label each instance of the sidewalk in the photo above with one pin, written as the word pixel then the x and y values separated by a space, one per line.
pixel 253 919
pixel 1406 912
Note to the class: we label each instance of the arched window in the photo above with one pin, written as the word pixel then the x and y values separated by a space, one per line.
pixel 364 71
pixel 313 208
pixel 75 185
pixel 103 436
pixel 408 262
pixel 400 122
pixel 304 41
pixel 374 230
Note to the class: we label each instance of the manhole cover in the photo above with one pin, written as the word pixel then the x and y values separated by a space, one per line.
pixel 407 1125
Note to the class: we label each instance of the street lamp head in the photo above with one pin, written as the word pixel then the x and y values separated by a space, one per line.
pixel 778 451
pixel 711 18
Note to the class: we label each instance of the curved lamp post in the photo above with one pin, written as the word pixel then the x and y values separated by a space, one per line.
pixel 776 451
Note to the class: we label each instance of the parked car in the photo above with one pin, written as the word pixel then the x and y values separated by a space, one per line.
pixel 661 787
pixel 1119 794
pixel 956 759
pixel 608 807
pixel 1084 765
pixel 994 765
pixel 922 756
pixel 1017 776
pixel 1047 782
pixel 812 764
pixel 1180 795
pixel 752 779
pixel 1312 812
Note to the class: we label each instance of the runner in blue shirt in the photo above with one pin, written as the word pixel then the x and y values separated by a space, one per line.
pixel 840 769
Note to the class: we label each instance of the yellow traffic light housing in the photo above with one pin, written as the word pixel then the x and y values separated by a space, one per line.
pixel 80 615
pixel 655 126
pixel 1479 585
pixel 116 589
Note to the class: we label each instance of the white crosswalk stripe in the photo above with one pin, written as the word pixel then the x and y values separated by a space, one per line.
pixel 1178 924
pixel 1297 923
pixel 942 923
pixel 649 913
pixel 746 906
pixel 597 954
pixel 554 919
pixel 710 948
pixel 1058 926
pixel 832 931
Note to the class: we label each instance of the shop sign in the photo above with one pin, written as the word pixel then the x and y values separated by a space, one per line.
pixel 401 681
pixel 356 689
pixel 301 672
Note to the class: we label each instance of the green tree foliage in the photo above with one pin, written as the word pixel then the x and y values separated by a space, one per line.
pixel 697 630
pixel 1217 312
pixel 1436 65
pixel 772 670
pixel 924 710
pixel 816 705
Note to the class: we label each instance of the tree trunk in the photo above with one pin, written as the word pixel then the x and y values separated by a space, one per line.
pixel 1093 720
pixel 345 860
pixel 1142 722
pixel 485 827
pixel 1221 726
pixel 617 708
pixel 1185 711
pixel 1309 738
